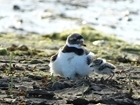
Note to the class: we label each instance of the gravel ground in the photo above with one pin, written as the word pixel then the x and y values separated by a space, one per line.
pixel 26 81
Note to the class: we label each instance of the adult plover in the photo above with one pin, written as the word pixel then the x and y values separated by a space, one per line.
pixel 100 66
pixel 72 60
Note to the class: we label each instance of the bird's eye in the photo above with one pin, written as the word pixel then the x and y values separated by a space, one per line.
pixel 78 39
pixel 75 39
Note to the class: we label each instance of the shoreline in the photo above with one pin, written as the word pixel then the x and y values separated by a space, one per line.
pixel 22 17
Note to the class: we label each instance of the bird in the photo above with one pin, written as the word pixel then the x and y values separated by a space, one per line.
pixel 101 66
pixel 72 60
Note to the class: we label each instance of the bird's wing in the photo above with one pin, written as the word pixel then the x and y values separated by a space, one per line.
pixel 106 65
pixel 90 58
pixel 53 58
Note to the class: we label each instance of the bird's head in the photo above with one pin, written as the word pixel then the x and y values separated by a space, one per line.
pixel 75 40
pixel 98 61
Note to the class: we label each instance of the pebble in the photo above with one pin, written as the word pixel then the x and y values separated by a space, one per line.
pixel 40 93
pixel 58 86
pixel 16 7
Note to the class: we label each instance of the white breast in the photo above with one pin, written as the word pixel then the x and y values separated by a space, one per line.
pixel 70 64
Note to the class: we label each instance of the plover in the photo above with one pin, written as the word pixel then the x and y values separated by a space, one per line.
pixel 72 59
pixel 101 66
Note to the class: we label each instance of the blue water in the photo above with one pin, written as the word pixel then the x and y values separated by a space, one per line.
pixel 121 18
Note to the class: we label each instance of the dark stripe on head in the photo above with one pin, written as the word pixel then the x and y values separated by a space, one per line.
pixel 68 49
pixel 98 61
pixel 74 38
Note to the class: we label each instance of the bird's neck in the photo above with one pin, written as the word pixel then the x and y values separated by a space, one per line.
pixel 78 51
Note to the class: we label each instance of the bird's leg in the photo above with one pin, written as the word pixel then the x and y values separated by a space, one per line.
pixel 60 77
pixel 111 76
pixel 108 78
pixel 86 77
pixel 68 78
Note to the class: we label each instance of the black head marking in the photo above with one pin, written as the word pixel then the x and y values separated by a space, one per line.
pixel 98 61
pixel 67 49
pixel 74 38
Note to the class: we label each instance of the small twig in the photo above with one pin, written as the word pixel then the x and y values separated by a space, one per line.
pixel 83 96
pixel 92 94
pixel 11 74
pixel 52 78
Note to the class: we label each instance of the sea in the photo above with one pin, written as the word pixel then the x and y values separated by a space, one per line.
pixel 118 17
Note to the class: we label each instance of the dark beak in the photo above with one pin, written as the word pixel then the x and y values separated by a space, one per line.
pixel 83 44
